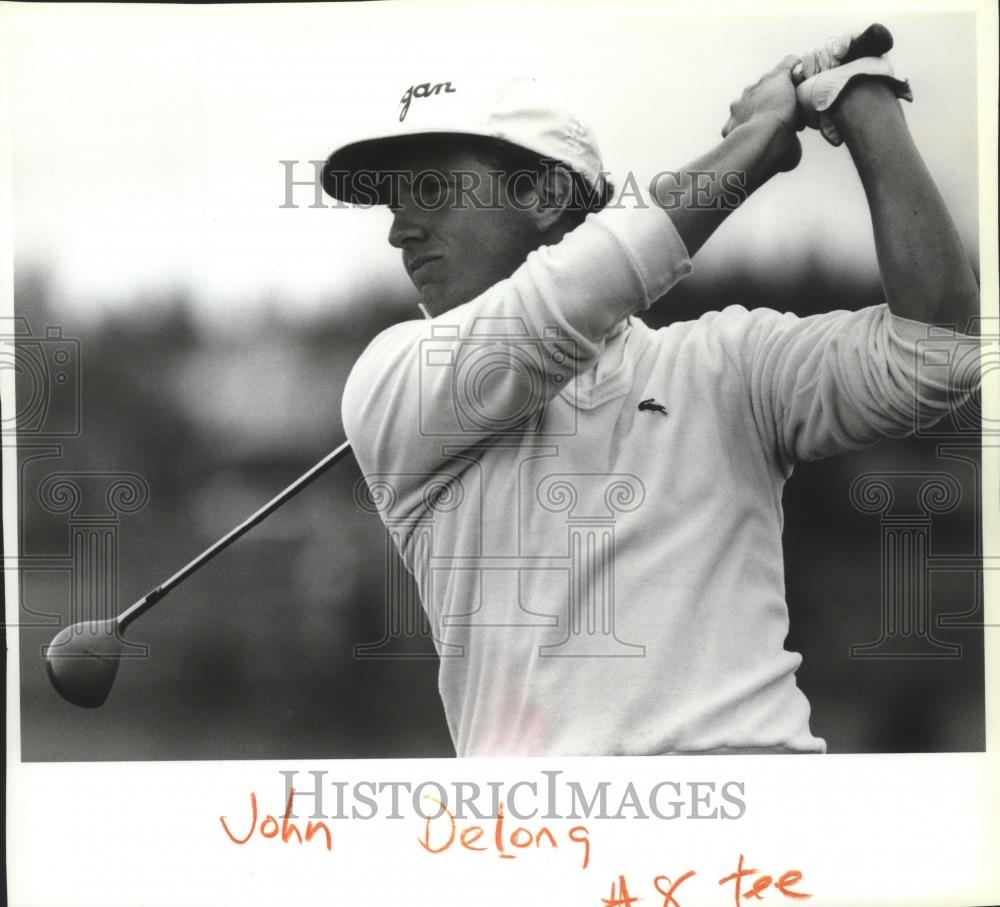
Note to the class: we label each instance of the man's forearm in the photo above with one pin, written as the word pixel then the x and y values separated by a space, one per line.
pixel 701 196
pixel 926 274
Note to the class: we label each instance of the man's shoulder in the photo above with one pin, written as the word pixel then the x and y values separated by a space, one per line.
pixel 379 359
pixel 402 333
pixel 387 346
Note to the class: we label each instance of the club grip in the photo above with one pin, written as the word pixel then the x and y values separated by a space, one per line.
pixel 872 42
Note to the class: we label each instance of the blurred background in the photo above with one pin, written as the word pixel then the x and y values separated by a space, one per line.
pixel 215 311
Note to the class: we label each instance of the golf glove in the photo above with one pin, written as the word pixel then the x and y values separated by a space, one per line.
pixel 818 93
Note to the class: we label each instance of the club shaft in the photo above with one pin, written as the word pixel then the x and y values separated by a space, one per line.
pixel 150 599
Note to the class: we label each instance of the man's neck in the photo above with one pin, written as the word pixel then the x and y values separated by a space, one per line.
pixel 617 329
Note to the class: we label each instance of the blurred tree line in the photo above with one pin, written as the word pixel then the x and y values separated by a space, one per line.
pixel 253 657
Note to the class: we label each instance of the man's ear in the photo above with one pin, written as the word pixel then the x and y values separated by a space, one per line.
pixel 555 195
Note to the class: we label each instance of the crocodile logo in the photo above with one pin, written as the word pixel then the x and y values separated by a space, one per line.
pixel 652 406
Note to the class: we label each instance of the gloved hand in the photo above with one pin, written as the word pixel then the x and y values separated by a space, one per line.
pixel 828 55
pixel 825 78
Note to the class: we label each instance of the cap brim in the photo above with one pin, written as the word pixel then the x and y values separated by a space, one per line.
pixel 361 173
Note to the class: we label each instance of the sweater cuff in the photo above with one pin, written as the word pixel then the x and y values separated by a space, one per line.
pixel 944 363
pixel 909 330
pixel 652 244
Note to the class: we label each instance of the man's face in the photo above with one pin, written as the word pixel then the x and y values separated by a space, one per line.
pixel 454 249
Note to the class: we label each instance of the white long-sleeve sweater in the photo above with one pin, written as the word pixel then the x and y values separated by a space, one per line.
pixel 603 579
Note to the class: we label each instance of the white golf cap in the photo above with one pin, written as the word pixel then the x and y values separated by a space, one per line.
pixel 517 111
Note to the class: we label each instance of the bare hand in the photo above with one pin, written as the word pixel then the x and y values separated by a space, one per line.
pixel 771 100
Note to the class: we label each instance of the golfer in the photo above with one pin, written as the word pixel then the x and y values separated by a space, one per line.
pixel 591 508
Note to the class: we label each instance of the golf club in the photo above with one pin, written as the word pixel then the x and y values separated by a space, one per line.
pixel 82 659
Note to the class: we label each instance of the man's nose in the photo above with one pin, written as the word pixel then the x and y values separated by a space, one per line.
pixel 405 228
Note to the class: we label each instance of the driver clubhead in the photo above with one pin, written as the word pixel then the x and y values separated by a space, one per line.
pixel 82 661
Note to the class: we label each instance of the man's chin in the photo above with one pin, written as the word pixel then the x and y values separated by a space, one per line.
pixel 436 300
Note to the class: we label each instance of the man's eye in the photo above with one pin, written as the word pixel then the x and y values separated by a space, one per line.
pixel 431 189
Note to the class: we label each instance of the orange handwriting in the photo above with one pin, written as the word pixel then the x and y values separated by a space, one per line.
pixel 762 883
pixel 621 896
pixel 446 831
pixel 270 828
pixel 668 895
